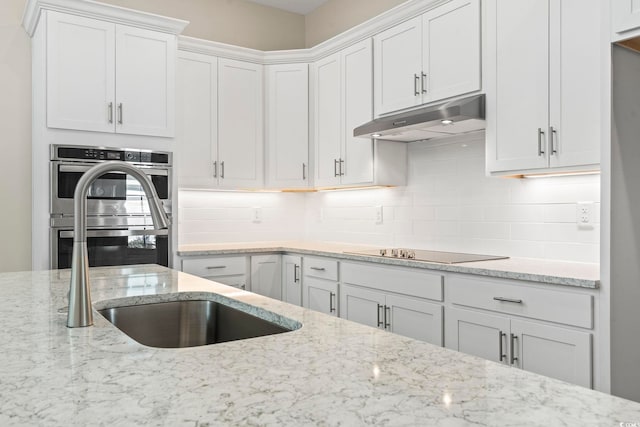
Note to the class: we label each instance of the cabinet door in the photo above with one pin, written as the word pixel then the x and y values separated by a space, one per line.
pixel 80 73
pixel 478 334
pixel 626 15
pixel 517 84
pixel 320 295
pixel 362 305
pixel 266 276
pixel 145 81
pixel 357 107
pixel 414 318
pixel 291 279
pixel 239 282
pixel 197 114
pixel 398 64
pixel 451 50
pixel 574 131
pixel 327 120
pixel 240 133
pixel 554 352
pixel 288 125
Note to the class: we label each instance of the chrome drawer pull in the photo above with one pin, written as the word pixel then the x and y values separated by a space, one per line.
pixel 500 349
pixel 332 308
pixel 380 323
pixel 215 267
pixel 317 268
pixel 512 348
pixel 502 299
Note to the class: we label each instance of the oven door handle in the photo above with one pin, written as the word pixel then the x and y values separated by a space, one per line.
pixel 67 234
pixel 84 168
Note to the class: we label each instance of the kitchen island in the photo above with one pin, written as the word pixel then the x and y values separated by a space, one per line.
pixel 328 372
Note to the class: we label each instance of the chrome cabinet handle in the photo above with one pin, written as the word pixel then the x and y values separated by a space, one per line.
pixel 540 148
pixel 335 167
pixel 422 82
pixel 500 348
pixel 317 268
pixel 332 309
pixel 120 114
pixel 341 170
pixel 503 299
pixel 110 112
pixel 222 169
pixel 416 78
pixel 304 171
pixel 215 169
pixel 296 275
pixel 387 317
pixel 513 358
pixel 216 267
pixel 380 323
pixel 552 140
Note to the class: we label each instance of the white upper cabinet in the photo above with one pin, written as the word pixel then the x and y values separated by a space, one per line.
pixel 108 77
pixel 240 124
pixel 625 17
pixel 197 120
pixel 428 58
pixel 538 75
pixel 220 142
pixel 287 125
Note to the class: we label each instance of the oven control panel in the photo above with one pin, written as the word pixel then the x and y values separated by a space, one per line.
pixel 66 152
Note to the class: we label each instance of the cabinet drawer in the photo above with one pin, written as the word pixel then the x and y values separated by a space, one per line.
pixel 320 267
pixel 402 280
pixel 214 267
pixel 543 304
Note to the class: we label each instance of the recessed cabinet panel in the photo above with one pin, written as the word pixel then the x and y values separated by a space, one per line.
pixel 266 276
pixel 80 73
pixel 145 76
pixel 398 64
pixel 292 279
pixel 362 306
pixel 320 295
pixel 240 124
pixel 451 50
pixel 197 86
pixel 519 127
pixel 626 16
pixel 479 334
pixel 328 120
pixel 288 125
pixel 414 318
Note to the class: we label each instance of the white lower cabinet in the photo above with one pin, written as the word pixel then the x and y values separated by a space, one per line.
pixel 230 271
pixel 266 275
pixel 292 279
pixel 393 298
pixel 408 316
pixel 320 295
pixel 505 335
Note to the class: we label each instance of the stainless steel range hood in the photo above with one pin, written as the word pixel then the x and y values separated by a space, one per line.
pixel 450 118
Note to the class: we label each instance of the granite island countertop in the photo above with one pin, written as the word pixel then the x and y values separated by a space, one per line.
pixel 584 275
pixel 329 372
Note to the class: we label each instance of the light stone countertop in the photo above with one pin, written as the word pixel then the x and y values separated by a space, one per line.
pixel 584 275
pixel 329 372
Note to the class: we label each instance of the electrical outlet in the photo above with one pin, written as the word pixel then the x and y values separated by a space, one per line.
pixel 378 214
pixel 584 215
pixel 257 214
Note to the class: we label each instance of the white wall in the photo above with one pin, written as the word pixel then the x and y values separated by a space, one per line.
pixel 448 204
pixel 15 139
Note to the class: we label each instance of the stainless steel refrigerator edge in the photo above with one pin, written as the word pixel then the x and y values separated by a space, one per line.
pixel 625 223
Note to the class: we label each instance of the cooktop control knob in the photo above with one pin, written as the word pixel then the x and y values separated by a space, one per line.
pixel 383 252
pixel 411 255
pixel 394 252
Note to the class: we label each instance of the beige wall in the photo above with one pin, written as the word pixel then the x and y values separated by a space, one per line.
pixel 15 139
pixel 337 16
pixel 237 22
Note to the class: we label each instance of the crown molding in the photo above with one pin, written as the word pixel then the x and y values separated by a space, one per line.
pixel 354 35
pixel 105 12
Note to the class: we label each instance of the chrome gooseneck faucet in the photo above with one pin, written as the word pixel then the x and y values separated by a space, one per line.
pixel 80 313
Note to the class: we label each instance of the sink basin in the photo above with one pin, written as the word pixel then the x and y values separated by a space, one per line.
pixel 190 323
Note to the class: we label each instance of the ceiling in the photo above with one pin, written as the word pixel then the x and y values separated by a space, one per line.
pixel 296 6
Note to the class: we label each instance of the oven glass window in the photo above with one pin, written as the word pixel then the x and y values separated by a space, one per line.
pixel 127 250
pixel 111 186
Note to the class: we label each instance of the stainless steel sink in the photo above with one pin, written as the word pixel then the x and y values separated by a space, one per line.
pixel 187 323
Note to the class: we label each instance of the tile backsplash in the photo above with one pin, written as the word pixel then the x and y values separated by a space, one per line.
pixel 449 204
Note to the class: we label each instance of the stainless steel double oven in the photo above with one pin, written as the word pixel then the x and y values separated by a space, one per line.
pixel 119 226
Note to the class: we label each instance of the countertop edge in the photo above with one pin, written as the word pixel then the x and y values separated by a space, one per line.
pixel 463 268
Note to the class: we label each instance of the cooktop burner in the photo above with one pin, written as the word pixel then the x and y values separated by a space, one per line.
pixel 429 256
